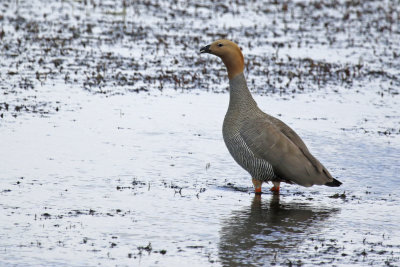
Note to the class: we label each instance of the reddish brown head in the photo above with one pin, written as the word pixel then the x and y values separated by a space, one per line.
pixel 230 54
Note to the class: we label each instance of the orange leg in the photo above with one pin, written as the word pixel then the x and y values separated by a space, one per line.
pixel 276 187
pixel 257 185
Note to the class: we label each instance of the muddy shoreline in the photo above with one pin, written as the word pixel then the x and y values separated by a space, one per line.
pixel 111 150
pixel 108 47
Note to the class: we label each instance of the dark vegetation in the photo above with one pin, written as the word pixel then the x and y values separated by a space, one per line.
pixel 116 47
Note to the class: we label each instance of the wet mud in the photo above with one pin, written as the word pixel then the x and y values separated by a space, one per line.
pixel 111 150
pixel 116 47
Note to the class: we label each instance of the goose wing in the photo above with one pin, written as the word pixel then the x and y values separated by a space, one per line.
pixel 272 140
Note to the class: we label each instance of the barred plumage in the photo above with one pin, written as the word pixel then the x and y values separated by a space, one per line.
pixel 259 169
pixel 263 145
pixel 241 106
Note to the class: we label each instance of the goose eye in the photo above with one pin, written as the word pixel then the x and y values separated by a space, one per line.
pixel 219 45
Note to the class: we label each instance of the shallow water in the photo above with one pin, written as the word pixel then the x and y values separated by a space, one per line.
pixel 111 150
pixel 146 179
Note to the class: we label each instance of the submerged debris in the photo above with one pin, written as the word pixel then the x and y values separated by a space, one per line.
pixel 291 46
pixel 337 195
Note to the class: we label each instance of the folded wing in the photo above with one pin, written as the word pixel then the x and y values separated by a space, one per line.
pixel 272 140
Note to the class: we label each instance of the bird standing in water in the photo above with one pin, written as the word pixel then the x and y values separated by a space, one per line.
pixel 263 145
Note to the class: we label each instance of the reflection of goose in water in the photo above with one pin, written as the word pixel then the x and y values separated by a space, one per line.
pixel 267 230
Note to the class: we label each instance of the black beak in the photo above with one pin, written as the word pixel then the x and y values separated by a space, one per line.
pixel 205 49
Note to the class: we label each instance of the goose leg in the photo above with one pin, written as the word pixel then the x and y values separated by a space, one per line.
pixel 276 187
pixel 257 185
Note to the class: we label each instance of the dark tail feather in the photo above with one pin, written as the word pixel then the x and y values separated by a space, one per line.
pixel 334 183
